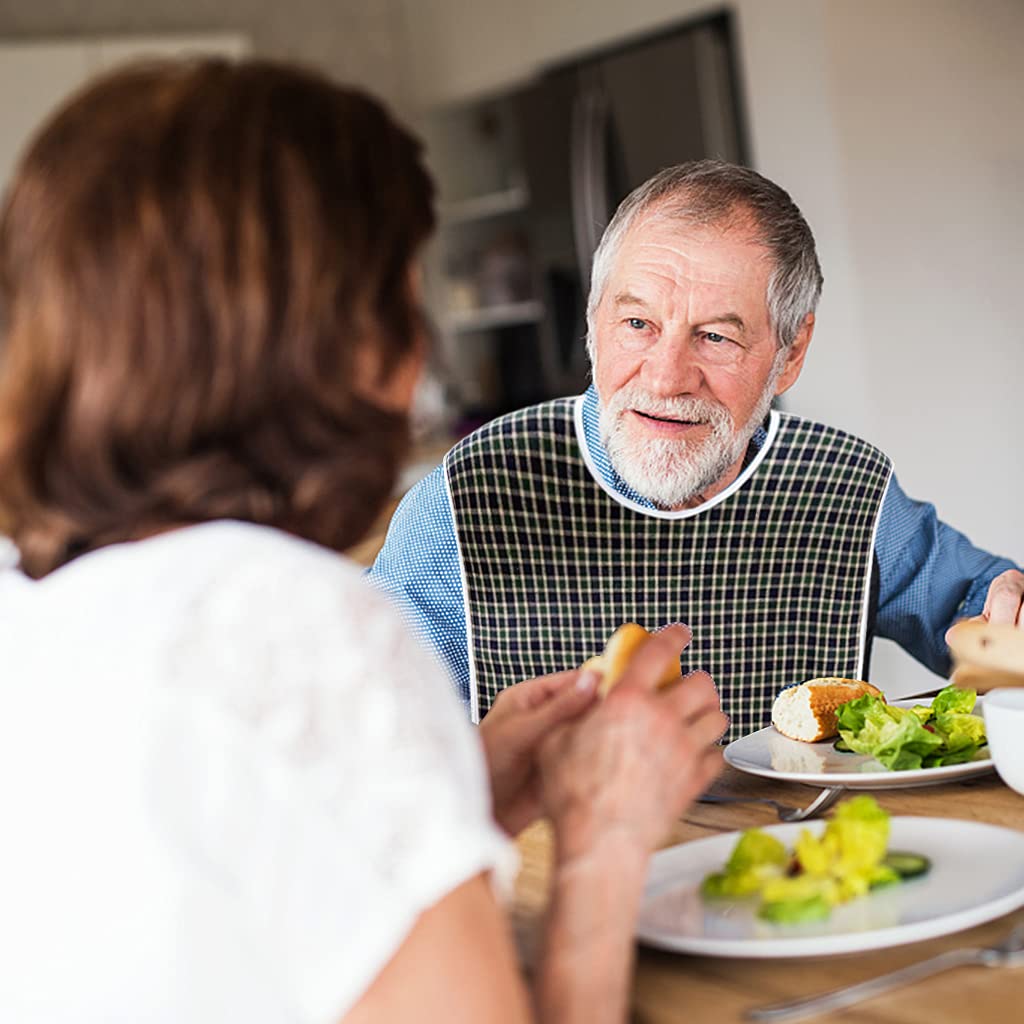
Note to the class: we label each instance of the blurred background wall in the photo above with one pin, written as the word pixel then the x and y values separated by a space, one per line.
pixel 895 125
pixel 356 40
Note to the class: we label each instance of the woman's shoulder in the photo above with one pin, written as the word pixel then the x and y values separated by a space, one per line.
pixel 258 570
pixel 266 547
pixel 277 618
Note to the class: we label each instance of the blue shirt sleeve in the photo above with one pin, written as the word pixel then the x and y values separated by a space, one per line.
pixel 930 575
pixel 418 567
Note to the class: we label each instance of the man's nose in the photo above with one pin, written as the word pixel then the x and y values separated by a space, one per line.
pixel 670 367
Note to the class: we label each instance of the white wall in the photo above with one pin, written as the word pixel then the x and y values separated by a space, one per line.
pixel 41 55
pixel 36 77
pixel 896 125
pixel 355 40
pixel 932 179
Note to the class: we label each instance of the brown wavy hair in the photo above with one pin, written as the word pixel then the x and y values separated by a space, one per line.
pixel 196 259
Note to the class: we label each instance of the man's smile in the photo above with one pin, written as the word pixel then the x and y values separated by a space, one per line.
pixel 667 424
pixel 665 419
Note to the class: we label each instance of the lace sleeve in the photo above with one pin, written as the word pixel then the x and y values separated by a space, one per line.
pixel 319 765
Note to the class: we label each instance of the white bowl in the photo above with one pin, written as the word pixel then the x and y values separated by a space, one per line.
pixel 1004 724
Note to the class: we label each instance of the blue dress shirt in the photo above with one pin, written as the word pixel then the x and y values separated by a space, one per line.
pixel 929 574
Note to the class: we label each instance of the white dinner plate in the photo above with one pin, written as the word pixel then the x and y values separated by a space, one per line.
pixel 977 874
pixel 770 754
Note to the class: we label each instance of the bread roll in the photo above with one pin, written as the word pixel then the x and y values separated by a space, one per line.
pixel 996 649
pixel 808 712
pixel 981 680
pixel 617 652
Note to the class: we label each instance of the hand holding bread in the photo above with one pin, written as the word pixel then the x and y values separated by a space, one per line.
pixel 631 765
pixel 511 733
pixel 986 654
pixel 621 647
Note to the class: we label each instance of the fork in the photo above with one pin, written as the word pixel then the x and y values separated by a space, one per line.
pixel 1008 953
pixel 822 802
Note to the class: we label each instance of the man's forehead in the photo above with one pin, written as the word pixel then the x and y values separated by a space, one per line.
pixel 666 223
pixel 659 251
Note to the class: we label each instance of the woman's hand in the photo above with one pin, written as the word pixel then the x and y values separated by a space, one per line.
pixel 520 718
pixel 613 783
pixel 631 767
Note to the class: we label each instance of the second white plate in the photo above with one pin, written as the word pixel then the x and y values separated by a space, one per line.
pixel 977 875
pixel 773 756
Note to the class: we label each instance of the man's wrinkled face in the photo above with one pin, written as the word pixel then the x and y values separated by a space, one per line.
pixel 687 363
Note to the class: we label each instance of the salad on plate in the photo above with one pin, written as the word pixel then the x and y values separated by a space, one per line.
pixel 946 732
pixel 844 862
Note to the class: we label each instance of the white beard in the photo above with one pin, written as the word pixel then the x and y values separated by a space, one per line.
pixel 669 472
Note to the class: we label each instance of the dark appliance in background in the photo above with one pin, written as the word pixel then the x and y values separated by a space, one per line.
pixel 588 132
pixel 594 130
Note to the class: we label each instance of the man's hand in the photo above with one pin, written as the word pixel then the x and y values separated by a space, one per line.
pixel 1005 599
pixel 1004 602
pixel 520 718
pixel 630 767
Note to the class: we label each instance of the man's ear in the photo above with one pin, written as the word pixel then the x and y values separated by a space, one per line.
pixel 795 355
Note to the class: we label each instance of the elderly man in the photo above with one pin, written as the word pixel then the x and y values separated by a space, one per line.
pixel 670 491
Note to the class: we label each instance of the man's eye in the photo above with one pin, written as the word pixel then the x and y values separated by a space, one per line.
pixel 636 323
pixel 714 338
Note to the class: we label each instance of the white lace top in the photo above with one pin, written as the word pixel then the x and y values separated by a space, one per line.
pixel 229 781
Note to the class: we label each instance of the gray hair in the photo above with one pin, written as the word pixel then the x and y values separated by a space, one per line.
pixel 709 192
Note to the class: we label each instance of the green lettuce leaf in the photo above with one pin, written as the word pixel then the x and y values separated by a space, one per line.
pixel 961 756
pixel 756 849
pixel 962 735
pixel 953 700
pixel 793 900
pixel 847 854
pixel 722 886
pixel 853 714
pixel 960 730
pixel 893 736
pixel 756 858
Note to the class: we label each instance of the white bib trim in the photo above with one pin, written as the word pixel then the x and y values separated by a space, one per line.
pixel 474 692
pixel 658 513
pixel 869 569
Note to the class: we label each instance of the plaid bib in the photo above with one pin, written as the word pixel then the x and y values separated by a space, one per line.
pixel 773 576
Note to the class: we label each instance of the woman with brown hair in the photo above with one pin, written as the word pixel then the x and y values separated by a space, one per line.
pixel 234 787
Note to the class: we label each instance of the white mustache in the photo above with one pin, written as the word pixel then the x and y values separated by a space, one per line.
pixel 691 410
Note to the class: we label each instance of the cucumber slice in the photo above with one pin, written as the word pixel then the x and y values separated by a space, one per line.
pixel 841 746
pixel 907 865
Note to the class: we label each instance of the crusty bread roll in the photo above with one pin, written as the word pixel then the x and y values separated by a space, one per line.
pixel 617 652
pixel 808 712
pixel 987 655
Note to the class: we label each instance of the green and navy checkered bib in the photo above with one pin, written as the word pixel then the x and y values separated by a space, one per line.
pixel 774 577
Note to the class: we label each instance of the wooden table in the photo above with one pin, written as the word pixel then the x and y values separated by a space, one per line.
pixel 672 987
